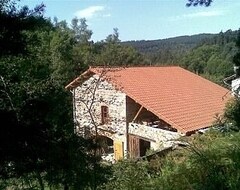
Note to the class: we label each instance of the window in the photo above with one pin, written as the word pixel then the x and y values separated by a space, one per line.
pixel 104 114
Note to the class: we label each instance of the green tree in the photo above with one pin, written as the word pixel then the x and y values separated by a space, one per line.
pixel 236 58
pixel 232 112
pixel 197 59
pixel 199 2
pixel 81 31
pixel 13 22
pixel 113 53
pixel 113 38
pixel 37 140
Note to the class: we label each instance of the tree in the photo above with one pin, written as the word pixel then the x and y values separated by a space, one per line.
pixel 236 58
pixel 199 2
pixel 232 110
pixel 112 53
pixel 13 22
pixel 82 33
pixel 36 114
pixel 113 38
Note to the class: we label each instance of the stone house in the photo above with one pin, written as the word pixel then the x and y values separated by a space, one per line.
pixel 134 109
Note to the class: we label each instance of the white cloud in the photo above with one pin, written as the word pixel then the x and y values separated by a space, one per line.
pixel 204 14
pixel 89 12
pixel 198 15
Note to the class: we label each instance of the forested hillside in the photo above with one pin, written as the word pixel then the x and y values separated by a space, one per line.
pixel 212 58
pixel 154 46
pixel 167 51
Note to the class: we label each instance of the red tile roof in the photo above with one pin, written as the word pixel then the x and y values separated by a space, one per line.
pixel 183 99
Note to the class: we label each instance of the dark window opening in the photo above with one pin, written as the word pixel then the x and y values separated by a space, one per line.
pixel 104 114
pixel 144 146
pixel 106 145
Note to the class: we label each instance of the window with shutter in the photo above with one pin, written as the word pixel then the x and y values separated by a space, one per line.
pixel 104 114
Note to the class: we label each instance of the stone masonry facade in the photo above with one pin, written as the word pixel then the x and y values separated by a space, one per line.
pixel 89 97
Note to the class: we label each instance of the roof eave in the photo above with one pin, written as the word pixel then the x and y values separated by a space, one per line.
pixel 77 81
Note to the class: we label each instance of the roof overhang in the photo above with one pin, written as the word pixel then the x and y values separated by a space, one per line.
pixel 80 79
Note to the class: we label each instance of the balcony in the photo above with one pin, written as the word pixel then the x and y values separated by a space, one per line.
pixel 153 133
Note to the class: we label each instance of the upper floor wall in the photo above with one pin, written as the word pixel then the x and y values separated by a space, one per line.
pixel 99 104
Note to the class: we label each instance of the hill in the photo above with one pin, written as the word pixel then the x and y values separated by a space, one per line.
pixel 180 43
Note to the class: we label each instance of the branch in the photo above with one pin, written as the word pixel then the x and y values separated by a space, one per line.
pixel 6 93
pixel 8 96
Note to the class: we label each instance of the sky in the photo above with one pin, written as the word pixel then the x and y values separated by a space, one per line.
pixel 145 19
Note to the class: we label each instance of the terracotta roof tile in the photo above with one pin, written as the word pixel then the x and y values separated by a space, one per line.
pixel 183 99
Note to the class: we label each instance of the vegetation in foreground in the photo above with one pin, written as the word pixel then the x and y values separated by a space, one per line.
pixel 210 162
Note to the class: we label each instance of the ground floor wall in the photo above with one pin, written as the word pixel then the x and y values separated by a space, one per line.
pixel 137 140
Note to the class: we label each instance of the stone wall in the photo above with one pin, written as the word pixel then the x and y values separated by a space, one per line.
pixel 158 137
pixel 89 97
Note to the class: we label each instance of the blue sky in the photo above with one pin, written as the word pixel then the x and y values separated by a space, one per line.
pixel 145 19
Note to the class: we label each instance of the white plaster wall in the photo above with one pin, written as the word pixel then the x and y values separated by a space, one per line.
pixel 105 95
pixel 160 138
pixel 235 86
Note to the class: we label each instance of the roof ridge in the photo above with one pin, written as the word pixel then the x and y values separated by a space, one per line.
pixel 133 66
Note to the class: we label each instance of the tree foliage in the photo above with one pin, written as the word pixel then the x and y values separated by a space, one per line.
pixel 199 2
pixel 128 174
pixel 38 146
pixel 37 140
pixel 236 58
pixel 13 22
pixel 110 52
